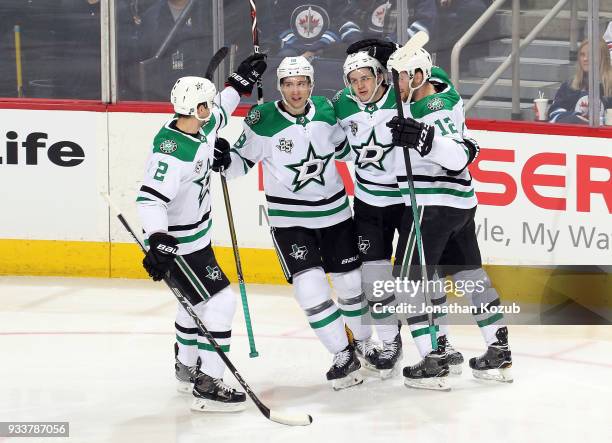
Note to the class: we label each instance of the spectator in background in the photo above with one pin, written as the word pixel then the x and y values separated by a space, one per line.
pixel 188 52
pixel 309 28
pixel 378 19
pixel 571 103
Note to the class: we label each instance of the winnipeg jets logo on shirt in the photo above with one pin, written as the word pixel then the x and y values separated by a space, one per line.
pixel 309 21
pixel 371 153
pixel 363 244
pixel 354 127
pixel 299 252
pixel 310 169
pixel 285 145
pixel 213 273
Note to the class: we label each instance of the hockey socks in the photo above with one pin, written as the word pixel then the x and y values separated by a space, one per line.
pixel 313 294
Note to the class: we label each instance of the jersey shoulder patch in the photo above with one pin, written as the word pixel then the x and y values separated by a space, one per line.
pixel 265 120
pixel 171 142
pixel 446 99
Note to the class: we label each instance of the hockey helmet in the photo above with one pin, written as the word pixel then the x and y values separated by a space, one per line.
pixel 409 61
pixel 294 66
pixel 360 60
pixel 188 92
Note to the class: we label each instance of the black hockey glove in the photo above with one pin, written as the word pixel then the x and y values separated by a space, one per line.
pixel 159 258
pixel 221 156
pixel 247 74
pixel 412 134
pixel 381 50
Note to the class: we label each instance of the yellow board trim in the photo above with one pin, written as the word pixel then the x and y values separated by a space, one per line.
pixel 123 260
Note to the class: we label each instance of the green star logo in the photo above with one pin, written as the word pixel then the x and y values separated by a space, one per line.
pixel 204 183
pixel 371 153
pixel 310 169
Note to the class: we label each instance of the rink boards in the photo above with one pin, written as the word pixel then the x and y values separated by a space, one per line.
pixel 545 194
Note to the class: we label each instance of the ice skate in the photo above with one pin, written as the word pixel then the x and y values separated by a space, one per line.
pixel 455 358
pixel 184 374
pixel 344 372
pixel 390 357
pixel 496 363
pixel 431 372
pixel 213 395
pixel 367 352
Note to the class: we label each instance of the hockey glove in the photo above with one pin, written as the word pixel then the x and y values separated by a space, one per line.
pixel 221 156
pixel 247 74
pixel 381 50
pixel 160 256
pixel 412 134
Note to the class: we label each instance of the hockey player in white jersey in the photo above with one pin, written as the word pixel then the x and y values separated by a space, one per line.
pixel 174 205
pixel 296 139
pixel 440 152
pixel 363 109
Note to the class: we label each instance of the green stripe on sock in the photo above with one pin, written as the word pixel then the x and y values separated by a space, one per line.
pixel 423 331
pixel 209 347
pixel 490 320
pixel 327 320
pixel 357 313
pixel 186 342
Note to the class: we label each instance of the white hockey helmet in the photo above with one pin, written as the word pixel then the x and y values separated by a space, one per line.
pixel 294 66
pixel 360 60
pixel 188 92
pixel 409 61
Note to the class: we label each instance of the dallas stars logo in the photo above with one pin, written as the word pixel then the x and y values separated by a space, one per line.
pixel 299 252
pixel 310 169
pixel 213 273
pixel 371 153
pixel 203 182
pixel 363 244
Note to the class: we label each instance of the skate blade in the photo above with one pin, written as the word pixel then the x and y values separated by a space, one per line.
pixel 434 383
pixel 366 365
pixel 503 375
pixel 385 374
pixel 352 379
pixel 205 405
pixel 455 369
pixel 184 387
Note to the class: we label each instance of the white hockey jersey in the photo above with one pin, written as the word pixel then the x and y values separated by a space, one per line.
pixel 175 193
pixel 371 148
pixel 301 182
pixel 437 181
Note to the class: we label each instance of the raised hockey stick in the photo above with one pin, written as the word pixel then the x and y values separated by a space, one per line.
pixel 255 34
pixel 214 63
pixel 417 41
pixel 276 416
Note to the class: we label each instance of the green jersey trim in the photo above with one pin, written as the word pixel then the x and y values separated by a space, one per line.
pixel 324 111
pixel 394 193
pixel 447 191
pixel 265 120
pixel 445 100
pixel 190 238
pixel 176 144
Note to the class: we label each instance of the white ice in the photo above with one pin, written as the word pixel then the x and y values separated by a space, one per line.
pixel 98 354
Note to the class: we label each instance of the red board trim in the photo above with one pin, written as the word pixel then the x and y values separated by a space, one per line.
pixel 242 110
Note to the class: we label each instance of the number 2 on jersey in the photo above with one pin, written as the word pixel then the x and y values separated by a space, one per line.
pixel 162 168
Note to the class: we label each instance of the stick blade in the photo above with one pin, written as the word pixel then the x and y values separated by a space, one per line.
pixel 417 41
pixel 215 61
pixel 290 419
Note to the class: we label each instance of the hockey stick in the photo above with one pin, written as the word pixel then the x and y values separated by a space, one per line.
pixel 255 34
pixel 417 41
pixel 214 63
pixel 276 416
